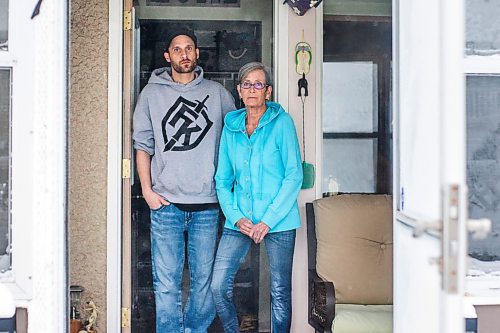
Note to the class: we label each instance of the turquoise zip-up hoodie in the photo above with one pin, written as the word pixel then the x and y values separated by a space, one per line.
pixel 259 177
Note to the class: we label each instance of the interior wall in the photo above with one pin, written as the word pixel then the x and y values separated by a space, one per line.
pixel 88 151
pixel 303 27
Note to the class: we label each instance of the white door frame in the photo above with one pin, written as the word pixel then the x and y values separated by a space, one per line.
pixel 114 195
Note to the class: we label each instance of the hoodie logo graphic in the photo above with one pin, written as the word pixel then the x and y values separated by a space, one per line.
pixel 185 124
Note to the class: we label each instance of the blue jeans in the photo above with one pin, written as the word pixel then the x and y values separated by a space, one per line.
pixel 167 250
pixel 231 253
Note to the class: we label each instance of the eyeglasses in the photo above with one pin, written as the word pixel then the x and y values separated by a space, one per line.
pixel 257 85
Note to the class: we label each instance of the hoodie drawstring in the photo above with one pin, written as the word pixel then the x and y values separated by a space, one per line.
pixel 261 172
pixel 235 197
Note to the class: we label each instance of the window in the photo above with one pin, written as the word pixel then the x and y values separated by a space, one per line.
pixel 482 71
pixel 350 125
pixel 483 158
pixel 356 114
pixel 482 32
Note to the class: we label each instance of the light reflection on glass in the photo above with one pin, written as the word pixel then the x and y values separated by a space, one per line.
pixel 350 97
pixel 357 171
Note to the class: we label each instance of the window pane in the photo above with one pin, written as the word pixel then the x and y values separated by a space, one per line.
pixel 483 160
pixel 5 88
pixel 4 24
pixel 350 99
pixel 482 28
pixel 352 163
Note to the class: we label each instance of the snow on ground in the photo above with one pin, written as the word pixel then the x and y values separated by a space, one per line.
pixel 483 278
pixel 478 267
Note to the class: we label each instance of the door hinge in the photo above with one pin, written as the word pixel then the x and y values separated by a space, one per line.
pixel 127 20
pixel 125 317
pixel 126 168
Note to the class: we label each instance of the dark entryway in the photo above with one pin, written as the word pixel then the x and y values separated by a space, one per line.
pixel 225 45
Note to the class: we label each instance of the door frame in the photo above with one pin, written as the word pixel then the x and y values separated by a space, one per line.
pixel 114 195
pixel 115 142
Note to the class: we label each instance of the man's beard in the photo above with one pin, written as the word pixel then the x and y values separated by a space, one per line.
pixel 181 69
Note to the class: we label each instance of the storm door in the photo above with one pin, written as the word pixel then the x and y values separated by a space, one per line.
pixel 230 33
pixel 430 184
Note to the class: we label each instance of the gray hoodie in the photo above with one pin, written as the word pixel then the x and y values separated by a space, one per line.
pixel 180 126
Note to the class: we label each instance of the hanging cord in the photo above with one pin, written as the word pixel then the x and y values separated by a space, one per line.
pixel 303 99
pixel 303 85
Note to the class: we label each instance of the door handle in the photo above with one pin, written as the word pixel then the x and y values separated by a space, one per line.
pixel 479 228
pixel 420 226
pixel 427 226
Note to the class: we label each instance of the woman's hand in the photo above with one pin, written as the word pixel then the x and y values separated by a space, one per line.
pixel 259 231
pixel 154 200
pixel 245 226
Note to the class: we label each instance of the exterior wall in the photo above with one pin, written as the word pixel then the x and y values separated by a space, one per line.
pixel 487 318
pixel 88 150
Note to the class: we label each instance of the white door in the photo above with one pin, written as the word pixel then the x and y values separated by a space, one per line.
pixel 429 184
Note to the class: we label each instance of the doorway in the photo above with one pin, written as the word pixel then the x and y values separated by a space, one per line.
pixel 230 34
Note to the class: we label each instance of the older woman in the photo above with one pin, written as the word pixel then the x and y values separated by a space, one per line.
pixel 258 179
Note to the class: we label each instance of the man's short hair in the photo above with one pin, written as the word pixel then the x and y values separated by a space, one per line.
pixel 178 31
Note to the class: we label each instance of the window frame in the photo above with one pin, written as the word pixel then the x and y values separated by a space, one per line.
pixel 19 58
pixel 474 64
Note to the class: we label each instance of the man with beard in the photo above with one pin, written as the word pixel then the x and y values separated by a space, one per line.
pixel 177 125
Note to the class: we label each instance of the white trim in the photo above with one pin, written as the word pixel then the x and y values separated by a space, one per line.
pixel 114 195
pixel 453 156
pixel 394 109
pixel 452 131
pixel 485 300
pixel 39 112
pixel 7 59
pixel 482 64
pixel 52 38
pixel 319 101
pixel 281 58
